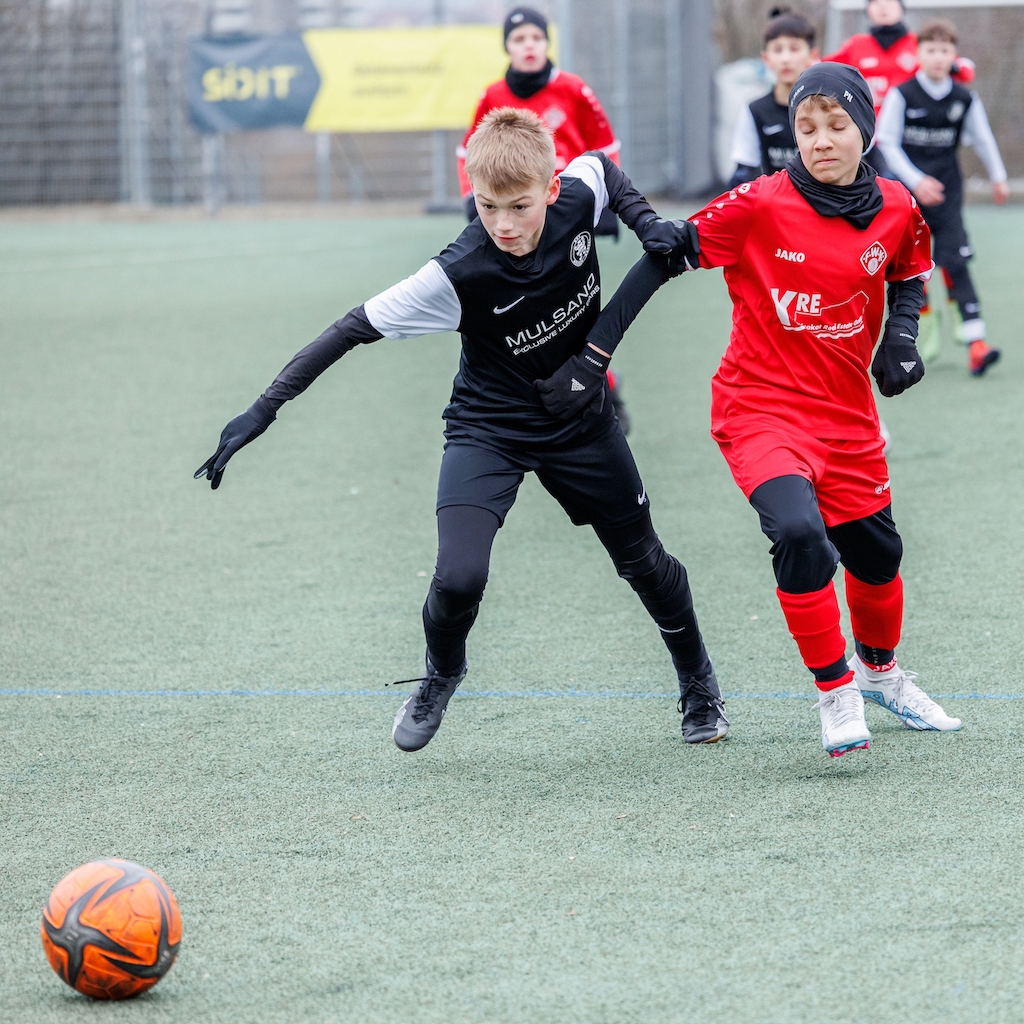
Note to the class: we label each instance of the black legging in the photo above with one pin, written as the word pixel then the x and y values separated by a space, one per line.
pixel 805 551
pixel 465 535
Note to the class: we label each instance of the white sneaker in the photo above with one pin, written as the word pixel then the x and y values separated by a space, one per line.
pixel 842 720
pixel 897 691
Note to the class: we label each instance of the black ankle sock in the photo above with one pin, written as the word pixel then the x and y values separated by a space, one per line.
pixel 685 646
pixel 830 673
pixel 875 655
pixel 446 646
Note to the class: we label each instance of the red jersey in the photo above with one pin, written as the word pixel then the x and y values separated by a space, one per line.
pixel 886 69
pixel 808 296
pixel 567 105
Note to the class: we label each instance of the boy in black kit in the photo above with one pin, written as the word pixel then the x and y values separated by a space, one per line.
pixel 920 128
pixel 521 284
pixel 763 141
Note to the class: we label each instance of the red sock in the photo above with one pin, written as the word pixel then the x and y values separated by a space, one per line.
pixel 813 619
pixel 876 612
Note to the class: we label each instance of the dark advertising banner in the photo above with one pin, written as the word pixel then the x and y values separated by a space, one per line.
pixel 250 82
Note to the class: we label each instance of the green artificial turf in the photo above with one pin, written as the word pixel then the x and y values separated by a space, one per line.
pixel 550 857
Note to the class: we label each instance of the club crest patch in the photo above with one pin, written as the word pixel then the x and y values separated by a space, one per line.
pixel 955 111
pixel 874 256
pixel 580 249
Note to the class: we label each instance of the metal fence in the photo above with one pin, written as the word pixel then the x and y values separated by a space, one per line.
pixel 94 100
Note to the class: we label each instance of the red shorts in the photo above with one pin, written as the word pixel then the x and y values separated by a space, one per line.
pixel 850 478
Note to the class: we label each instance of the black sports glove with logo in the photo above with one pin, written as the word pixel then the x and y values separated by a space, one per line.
pixel 897 364
pixel 577 386
pixel 676 239
pixel 237 434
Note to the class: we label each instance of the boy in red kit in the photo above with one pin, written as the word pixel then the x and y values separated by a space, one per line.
pixel 808 255
pixel 564 102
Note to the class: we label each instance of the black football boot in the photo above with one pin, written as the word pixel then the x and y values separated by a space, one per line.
pixel 702 708
pixel 420 716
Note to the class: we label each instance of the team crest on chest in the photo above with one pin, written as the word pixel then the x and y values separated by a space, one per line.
pixel 554 118
pixel 580 249
pixel 874 256
pixel 955 111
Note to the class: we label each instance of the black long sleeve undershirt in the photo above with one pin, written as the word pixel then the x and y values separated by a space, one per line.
pixel 645 277
pixel 905 301
pixel 305 366
pixel 623 198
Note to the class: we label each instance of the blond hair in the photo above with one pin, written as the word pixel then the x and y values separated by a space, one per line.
pixel 510 151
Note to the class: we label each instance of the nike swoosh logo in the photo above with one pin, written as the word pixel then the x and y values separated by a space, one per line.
pixel 772 129
pixel 505 309
pixel 917 112
pixel 641 498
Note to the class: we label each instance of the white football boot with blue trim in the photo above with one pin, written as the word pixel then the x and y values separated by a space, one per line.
pixel 896 691
pixel 843 728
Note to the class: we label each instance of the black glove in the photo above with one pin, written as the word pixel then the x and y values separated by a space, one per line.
pixel 237 434
pixel 897 364
pixel 675 238
pixel 577 385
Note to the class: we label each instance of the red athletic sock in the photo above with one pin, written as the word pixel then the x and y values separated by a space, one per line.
pixel 876 612
pixel 813 619
pixel 948 282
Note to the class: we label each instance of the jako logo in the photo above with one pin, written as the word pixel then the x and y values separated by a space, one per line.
pixel 788 254
pixel 580 249
pixel 873 257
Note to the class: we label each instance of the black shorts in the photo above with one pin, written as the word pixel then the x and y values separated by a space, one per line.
pixel 596 481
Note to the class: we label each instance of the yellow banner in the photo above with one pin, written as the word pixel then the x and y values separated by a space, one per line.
pixel 395 80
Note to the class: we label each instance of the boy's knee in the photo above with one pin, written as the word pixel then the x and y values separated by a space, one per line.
pixel 458 589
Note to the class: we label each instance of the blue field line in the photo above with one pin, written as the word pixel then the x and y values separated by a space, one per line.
pixel 542 694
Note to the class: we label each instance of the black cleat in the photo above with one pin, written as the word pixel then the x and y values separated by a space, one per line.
pixel 702 708
pixel 420 716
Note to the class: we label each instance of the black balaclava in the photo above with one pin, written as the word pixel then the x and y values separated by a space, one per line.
pixel 861 200
pixel 888 35
pixel 525 83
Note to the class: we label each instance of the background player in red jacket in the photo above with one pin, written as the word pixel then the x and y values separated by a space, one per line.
pixel 808 255
pixel 566 104
pixel 886 57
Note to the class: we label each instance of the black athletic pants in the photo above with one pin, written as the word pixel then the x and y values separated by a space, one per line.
pixel 477 487
pixel 953 249
pixel 805 552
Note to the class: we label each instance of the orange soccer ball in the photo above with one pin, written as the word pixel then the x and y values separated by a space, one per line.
pixel 111 929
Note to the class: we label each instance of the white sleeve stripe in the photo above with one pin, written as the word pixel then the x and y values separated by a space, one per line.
pixel 591 172
pixel 978 134
pixel 425 303
pixel 925 275
pixel 746 146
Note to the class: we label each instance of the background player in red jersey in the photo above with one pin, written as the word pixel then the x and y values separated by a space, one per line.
pixel 807 256
pixel 566 104
pixel 886 57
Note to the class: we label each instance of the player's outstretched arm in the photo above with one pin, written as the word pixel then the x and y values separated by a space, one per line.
pixel 580 379
pixel 631 207
pixel 353 329
pixel 897 364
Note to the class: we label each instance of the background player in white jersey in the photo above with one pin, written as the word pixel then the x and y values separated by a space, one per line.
pixel 922 124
